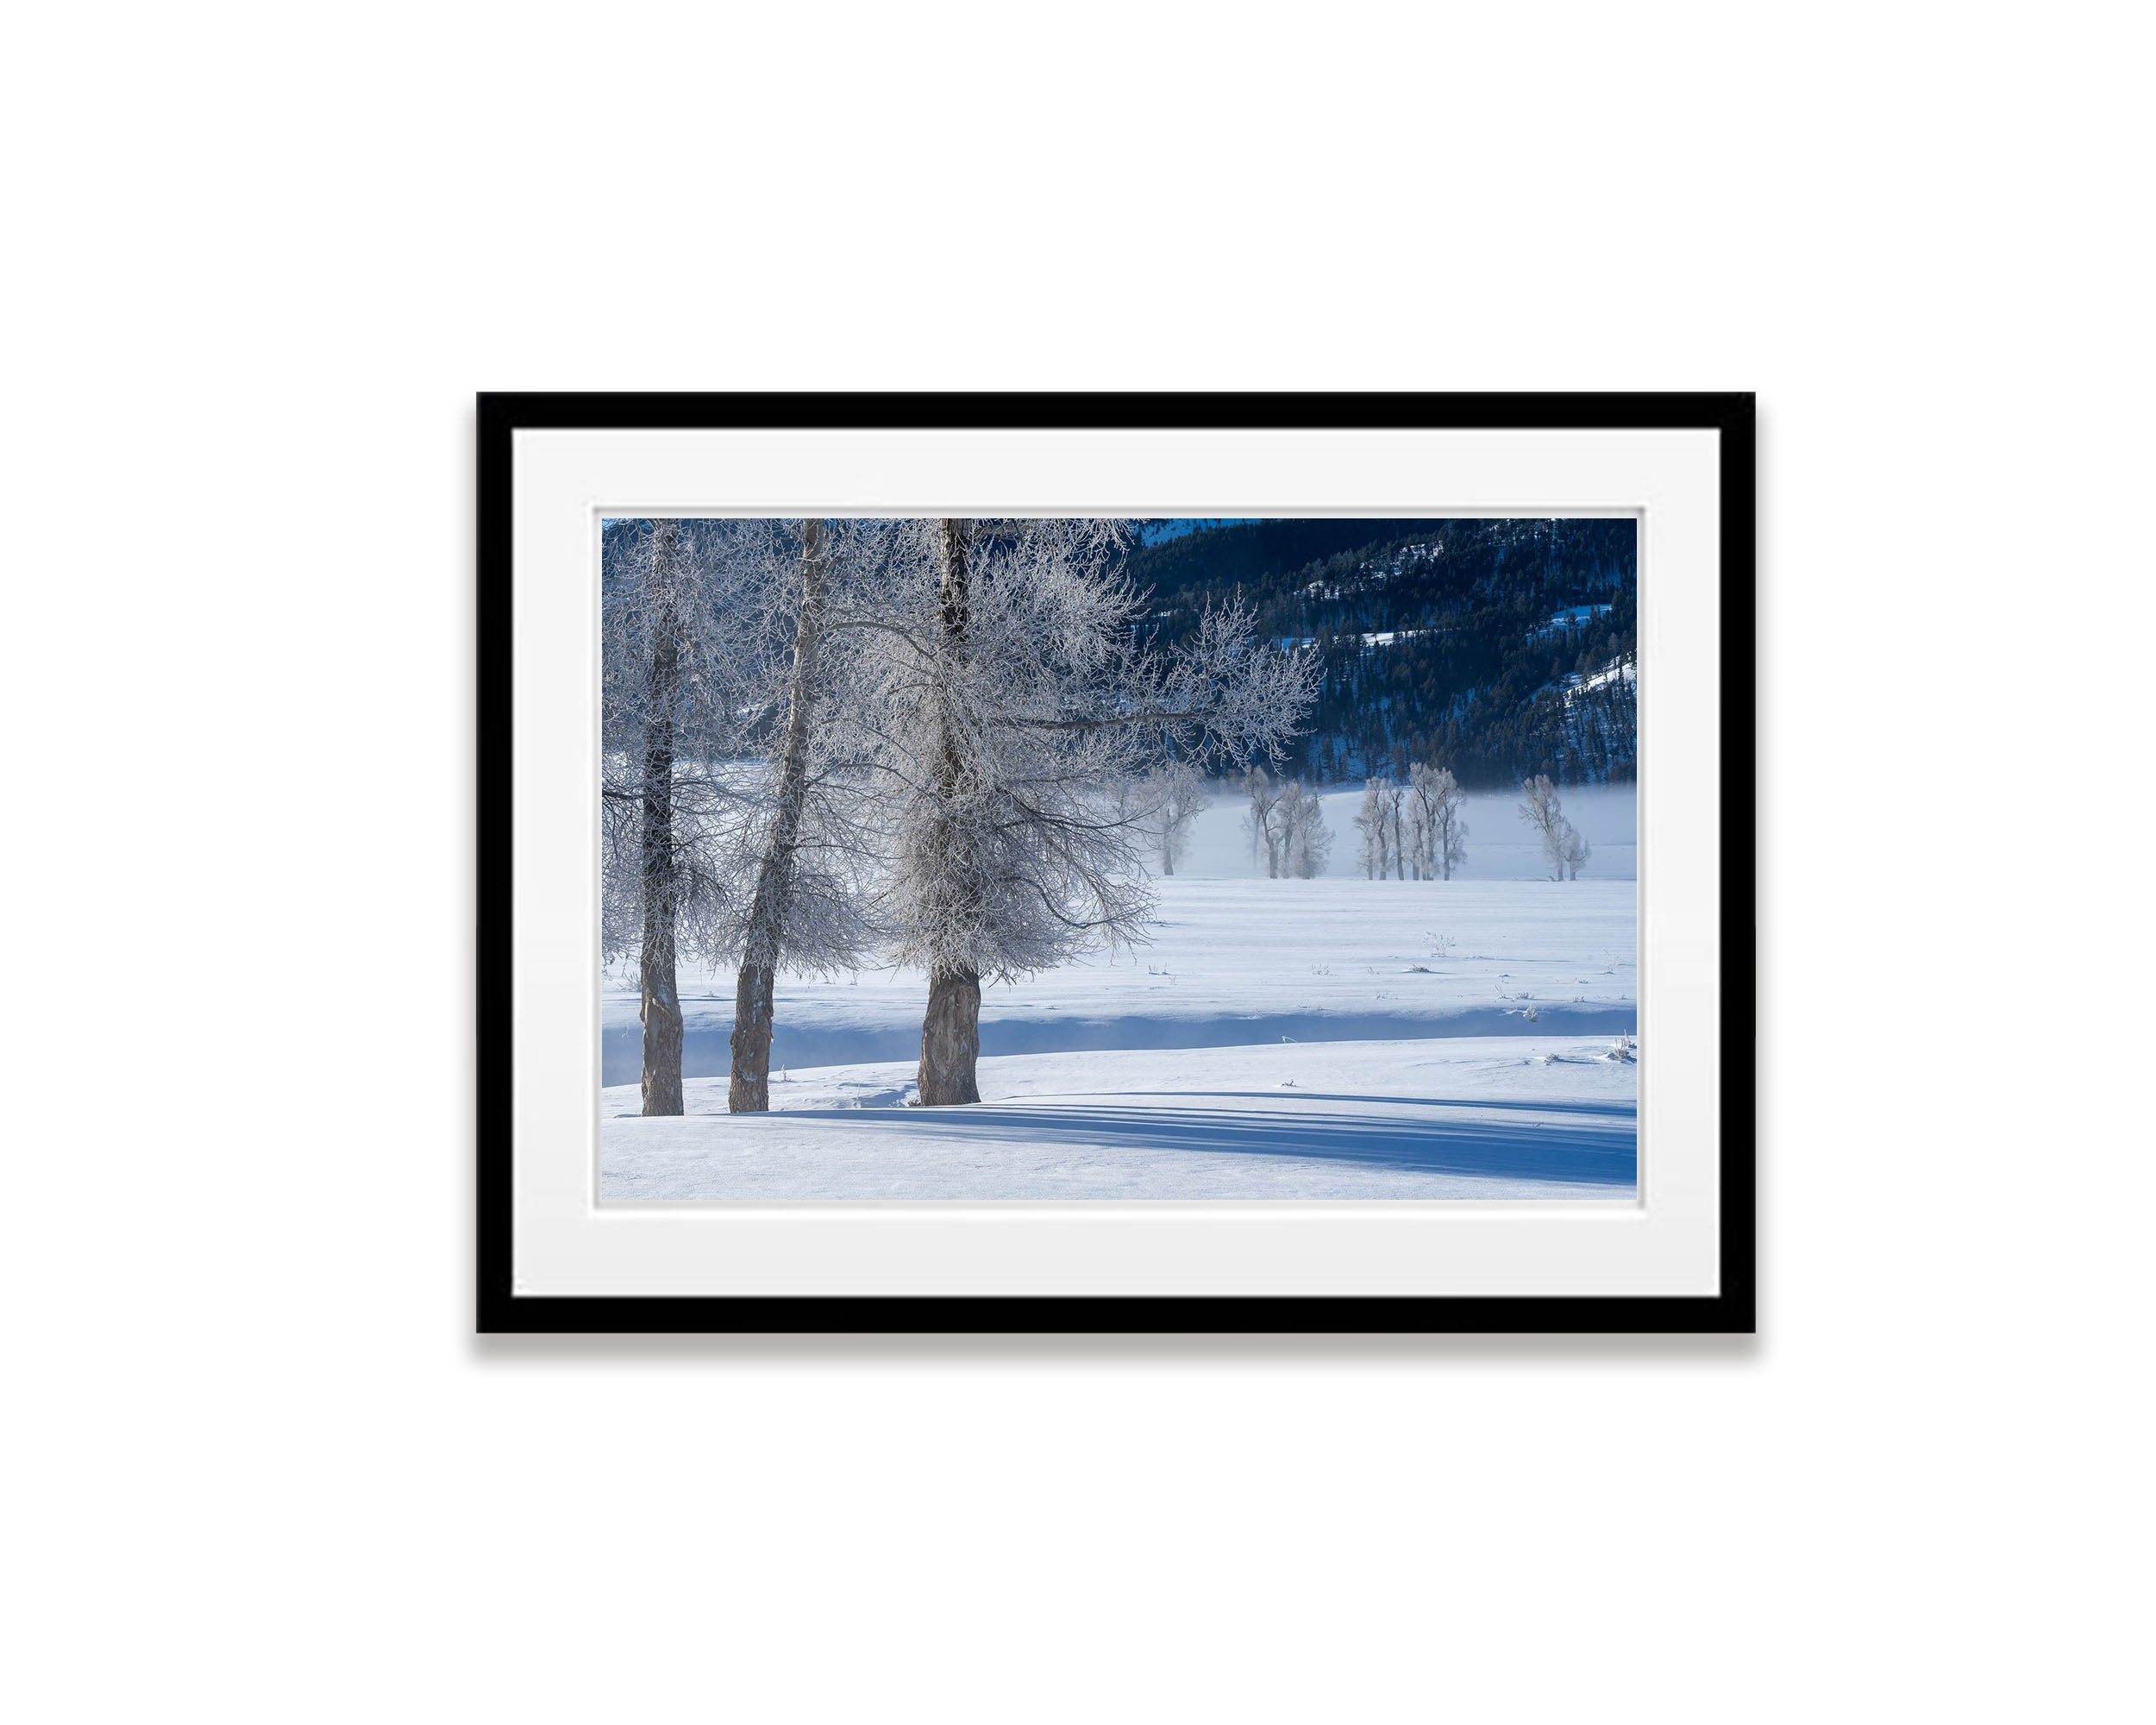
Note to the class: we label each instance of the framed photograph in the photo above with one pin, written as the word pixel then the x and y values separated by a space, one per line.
pixel 1116 863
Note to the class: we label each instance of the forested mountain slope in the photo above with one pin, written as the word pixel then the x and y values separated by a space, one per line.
pixel 1497 648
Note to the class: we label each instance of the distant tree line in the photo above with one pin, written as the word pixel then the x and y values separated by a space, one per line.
pixel 1285 824
pixel 1414 830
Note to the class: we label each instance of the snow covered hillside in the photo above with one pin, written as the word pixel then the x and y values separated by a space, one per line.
pixel 1445 642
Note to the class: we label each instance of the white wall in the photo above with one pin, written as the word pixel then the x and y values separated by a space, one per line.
pixel 258 1469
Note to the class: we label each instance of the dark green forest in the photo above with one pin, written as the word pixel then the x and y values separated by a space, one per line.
pixel 1497 648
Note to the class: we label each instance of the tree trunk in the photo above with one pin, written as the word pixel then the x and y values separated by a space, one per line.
pixel 749 1087
pixel 661 1011
pixel 950 1039
pixel 950 1028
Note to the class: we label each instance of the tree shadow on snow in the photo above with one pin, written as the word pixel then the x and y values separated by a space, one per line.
pixel 1590 1144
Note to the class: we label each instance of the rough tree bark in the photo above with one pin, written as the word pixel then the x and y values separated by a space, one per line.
pixel 951 1030
pixel 951 1038
pixel 661 1011
pixel 748 1089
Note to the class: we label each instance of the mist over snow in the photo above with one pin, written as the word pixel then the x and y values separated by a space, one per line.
pixel 1500 847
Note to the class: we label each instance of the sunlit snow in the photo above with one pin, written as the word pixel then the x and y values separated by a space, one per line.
pixel 1326 1039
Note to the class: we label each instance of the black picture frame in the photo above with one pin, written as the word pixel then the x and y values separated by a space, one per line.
pixel 1731 1309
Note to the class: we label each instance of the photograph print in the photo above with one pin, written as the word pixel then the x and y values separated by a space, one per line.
pixel 1075 858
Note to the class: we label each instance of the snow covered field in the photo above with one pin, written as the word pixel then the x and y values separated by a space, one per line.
pixel 1478 1117
pixel 1335 1037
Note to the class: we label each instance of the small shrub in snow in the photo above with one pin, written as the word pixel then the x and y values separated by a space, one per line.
pixel 1620 1047
pixel 1531 1013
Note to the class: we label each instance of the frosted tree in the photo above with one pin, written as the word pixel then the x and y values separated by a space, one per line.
pixel 1564 847
pixel 1305 840
pixel 1177 796
pixel 1261 820
pixel 1440 830
pixel 1543 813
pixel 1010 693
pixel 1369 830
pixel 1574 851
pixel 808 850
pixel 1396 795
pixel 659 1006
pixel 681 633
pixel 1129 801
